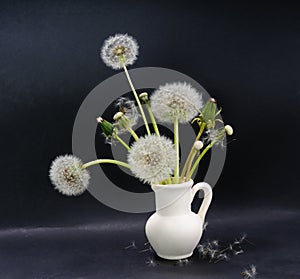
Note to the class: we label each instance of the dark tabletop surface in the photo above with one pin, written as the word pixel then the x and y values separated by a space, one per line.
pixel 103 250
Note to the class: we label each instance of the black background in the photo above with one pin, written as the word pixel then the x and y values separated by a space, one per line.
pixel 246 55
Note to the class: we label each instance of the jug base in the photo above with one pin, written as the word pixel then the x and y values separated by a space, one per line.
pixel 177 257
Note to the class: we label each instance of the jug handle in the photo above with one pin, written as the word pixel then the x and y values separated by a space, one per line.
pixel 207 197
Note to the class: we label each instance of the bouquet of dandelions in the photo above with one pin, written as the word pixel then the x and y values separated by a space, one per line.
pixel 153 158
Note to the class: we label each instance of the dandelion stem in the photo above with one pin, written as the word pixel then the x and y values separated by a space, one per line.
pixel 183 174
pixel 189 175
pixel 176 143
pixel 133 133
pixel 152 118
pixel 122 142
pixel 135 94
pixel 104 161
pixel 194 152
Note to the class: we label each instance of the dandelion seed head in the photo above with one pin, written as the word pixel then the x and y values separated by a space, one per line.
pixel 152 158
pixel 117 46
pixel 67 175
pixel 178 99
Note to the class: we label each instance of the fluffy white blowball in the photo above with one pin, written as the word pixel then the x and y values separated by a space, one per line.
pixel 152 159
pixel 176 99
pixel 116 46
pixel 67 176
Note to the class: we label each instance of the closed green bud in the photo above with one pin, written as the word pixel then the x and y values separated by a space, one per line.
pixel 144 97
pixel 209 113
pixel 107 127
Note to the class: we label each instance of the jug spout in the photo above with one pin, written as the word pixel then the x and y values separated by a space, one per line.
pixel 207 197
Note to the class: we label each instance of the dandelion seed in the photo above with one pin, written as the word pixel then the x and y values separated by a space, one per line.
pixel 227 248
pixel 67 175
pixel 236 242
pixel 146 250
pixel 243 237
pixel 215 243
pixel 253 269
pixel 222 257
pixel 201 248
pixel 117 47
pixel 151 262
pixel 205 225
pixel 186 261
pixel 238 252
pixel 212 254
pixel 179 263
pixel 182 262
pixel 176 99
pixel 132 245
pixel 250 273
pixel 152 159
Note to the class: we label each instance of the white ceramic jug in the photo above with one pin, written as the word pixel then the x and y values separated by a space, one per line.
pixel 174 230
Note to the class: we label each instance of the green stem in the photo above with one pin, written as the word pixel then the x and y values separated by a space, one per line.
pixel 152 118
pixel 135 136
pixel 135 94
pixel 200 131
pixel 183 174
pixel 176 143
pixel 104 161
pixel 122 142
pixel 194 152
pixel 189 175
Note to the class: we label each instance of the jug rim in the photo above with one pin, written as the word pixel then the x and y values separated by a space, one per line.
pixel 173 186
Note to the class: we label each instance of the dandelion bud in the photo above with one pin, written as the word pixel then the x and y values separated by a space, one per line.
pixel 198 145
pixel 118 115
pixel 100 119
pixel 228 130
pixel 209 113
pixel 107 127
pixel 144 97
